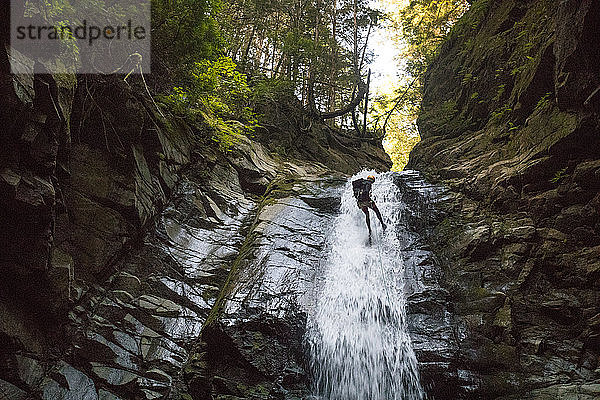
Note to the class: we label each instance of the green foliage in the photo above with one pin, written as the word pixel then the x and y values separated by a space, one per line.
pixel 544 101
pixel 467 78
pixel 401 131
pixel 424 25
pixel 399 146
pixel 518 70
pixel 449 109
pixel 184 32
pixel 222 86
pixel 309 43
pixel 272 89
pixel 500 92
pixel 61 14
pixel 512 127
pixel 219 94
pixel 420 27
pixel 500 114
pixel 559 176
pixel 532 34
pixel 471 20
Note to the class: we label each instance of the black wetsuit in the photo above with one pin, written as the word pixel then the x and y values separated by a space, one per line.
pixel 362 193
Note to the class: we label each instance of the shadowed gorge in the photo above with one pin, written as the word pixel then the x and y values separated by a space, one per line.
pixel 194 234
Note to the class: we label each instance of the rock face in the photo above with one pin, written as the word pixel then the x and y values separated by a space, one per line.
pixel 125 230
pixel 251 345
pixel 510 123
pixel 140 263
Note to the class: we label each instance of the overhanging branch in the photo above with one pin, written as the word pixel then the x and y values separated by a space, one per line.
pixel 362 90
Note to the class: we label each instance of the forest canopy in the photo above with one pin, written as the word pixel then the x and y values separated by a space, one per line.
pixel 217 58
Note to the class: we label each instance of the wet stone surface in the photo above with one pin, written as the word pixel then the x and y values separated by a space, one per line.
pixel 131 334
pixel 252 346
pixel 430 318
pixel 156 303
pixel 213 303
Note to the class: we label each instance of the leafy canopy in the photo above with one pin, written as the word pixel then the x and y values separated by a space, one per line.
pixel 219 94
pixel 418 28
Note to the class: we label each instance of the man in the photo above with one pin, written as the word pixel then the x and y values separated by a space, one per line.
pixel 362 192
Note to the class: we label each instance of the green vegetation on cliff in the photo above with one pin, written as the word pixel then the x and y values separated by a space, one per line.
pixel 217 62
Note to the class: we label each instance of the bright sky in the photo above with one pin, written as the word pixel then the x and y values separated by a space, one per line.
pixel 385 67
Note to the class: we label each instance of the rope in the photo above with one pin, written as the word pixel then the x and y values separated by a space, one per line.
pixel 138 64
pixel 382 269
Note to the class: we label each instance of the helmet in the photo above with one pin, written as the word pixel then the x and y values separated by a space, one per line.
pixel 371 178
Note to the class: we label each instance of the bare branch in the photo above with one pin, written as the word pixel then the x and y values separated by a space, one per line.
pixel 362 89
pixel 398 100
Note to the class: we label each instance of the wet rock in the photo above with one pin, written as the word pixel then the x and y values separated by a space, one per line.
pixel 11 392
pixel 570 218
pixel 523 220
pixel 69 383
pixel 128 282
pixel 256 332
pixel 61 273
pixel 521 233
pixel 587 174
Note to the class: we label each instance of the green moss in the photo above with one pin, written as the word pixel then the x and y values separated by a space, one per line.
pixel 470 21
pixel 503 317
pixel 277 189
pixel 532 35
pixel 441 115
pixel 501 383
pixel 478 293
pixel 448 230
pixel 518 70
pixel 280 188
pixel 544 129
pixel 257 341
pixel 244 254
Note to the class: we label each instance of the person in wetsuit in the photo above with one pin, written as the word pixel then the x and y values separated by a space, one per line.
pixel 362 192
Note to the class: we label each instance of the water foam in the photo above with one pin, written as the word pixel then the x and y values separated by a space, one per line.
pixel 357 336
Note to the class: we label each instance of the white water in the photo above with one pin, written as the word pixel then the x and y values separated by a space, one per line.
pixel 357 337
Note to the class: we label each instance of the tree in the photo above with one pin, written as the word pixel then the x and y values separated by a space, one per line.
pixel 183 32
pixel 422 26
pixel 314 44
pixel 419 28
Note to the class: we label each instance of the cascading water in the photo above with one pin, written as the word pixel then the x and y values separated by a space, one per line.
pixel 357 336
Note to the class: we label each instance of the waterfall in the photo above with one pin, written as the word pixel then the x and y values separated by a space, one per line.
pixel 357 336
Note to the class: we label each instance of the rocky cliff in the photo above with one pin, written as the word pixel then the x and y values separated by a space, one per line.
pixel 141 262
pixel 124 229
pixel 510 123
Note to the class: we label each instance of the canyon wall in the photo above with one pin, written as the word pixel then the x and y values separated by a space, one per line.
pixel 510 124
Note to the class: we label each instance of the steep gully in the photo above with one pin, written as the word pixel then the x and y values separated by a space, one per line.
pixel 300 252
pixel 211 297
pixel 310 266
pixel 167 270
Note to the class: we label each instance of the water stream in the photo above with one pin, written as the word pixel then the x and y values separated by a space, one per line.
pixel 357 335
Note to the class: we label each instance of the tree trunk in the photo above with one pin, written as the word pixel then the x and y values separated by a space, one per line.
pixel 333 58
pixel 352 105
pixel 364 133
pixel 311 69
pixel 245 56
